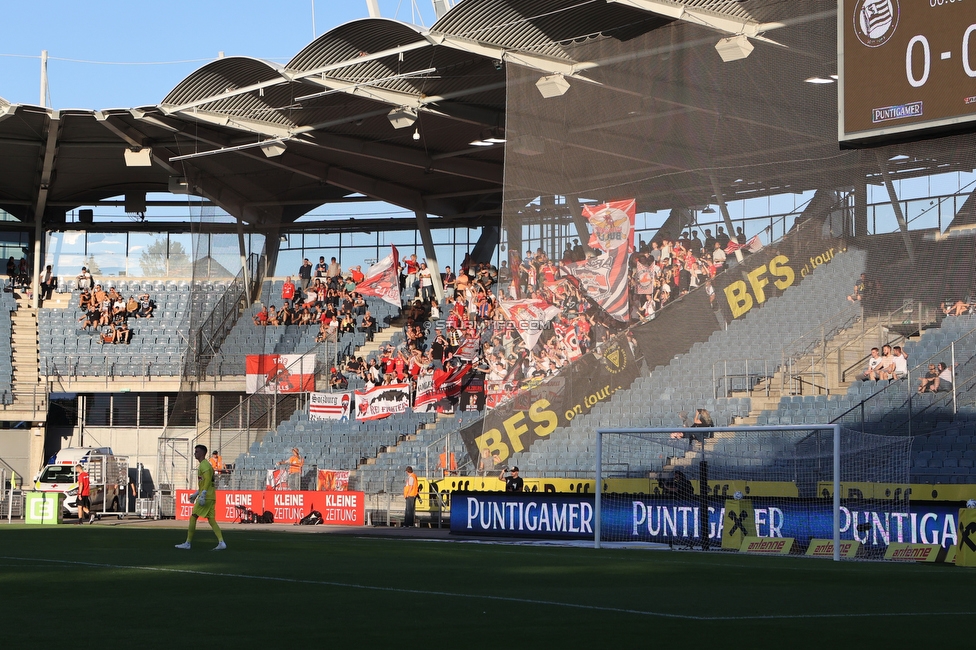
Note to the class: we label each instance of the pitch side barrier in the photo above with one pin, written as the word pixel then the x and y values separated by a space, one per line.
pixel 835 432
pixel 286 507
pixel 790 525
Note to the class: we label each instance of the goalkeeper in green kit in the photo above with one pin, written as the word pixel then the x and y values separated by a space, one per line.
pixel 204 500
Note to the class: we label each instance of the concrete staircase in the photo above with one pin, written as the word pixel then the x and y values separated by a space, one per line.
pixel 29 392
pixel 847 348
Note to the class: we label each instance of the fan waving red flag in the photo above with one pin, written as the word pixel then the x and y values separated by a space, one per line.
pixel 381 279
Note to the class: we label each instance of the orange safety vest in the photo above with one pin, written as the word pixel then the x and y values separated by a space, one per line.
pixel 295 464
pixel 412 487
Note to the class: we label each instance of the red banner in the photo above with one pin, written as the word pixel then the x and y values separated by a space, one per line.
pixel 337 508
pixel 226 506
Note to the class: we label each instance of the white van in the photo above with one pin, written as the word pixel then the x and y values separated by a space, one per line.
pixel 60 476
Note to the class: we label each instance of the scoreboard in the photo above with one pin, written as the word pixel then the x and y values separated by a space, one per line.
pixel 905 66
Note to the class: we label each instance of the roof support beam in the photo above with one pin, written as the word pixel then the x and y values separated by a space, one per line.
pixel 136 139
pixel 527 59
pixel 701 17
pixel 40 205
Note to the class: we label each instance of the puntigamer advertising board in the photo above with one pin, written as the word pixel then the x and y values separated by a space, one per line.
pixel 655 519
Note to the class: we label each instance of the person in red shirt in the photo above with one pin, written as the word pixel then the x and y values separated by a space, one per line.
pixel 357 274
pixel 288 290
pixel 83 501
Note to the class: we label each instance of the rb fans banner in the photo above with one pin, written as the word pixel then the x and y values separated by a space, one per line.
pixel 382 401
pixel 329 406
pixel 270 374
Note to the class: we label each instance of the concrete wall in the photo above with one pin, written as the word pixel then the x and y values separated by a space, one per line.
pixel 15 453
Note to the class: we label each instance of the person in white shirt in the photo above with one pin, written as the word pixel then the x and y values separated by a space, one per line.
pixel 900 363
pixel 871 373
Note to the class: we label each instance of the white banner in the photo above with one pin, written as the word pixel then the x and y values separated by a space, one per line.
pixel 329 406
pixel 382 401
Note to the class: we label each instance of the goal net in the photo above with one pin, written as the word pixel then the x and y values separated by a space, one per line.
pixel 780 489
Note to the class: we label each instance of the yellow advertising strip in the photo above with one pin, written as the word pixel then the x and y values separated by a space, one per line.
pixel 951 554
pixel 966 550
pixel 905 552
pixel 899 491
pixel 825 548
pixel 767 545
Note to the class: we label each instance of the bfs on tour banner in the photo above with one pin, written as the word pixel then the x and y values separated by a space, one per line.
pixel 337 508
pixel 271 374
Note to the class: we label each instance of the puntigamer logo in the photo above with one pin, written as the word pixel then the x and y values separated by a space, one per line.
pixel 875 21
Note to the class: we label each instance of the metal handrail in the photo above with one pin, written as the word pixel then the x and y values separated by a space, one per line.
pixel 915 371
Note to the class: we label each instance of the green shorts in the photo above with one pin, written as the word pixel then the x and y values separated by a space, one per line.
pixel 205 511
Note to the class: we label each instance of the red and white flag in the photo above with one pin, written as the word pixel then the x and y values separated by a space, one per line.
pixel 603 279
pixel 612 224
pixel 752 246
pixel 382 279
pixel 570 340
pixel 329 406
pixel 427 394
pixel 269 374
pixel 529 317
pixel 449 381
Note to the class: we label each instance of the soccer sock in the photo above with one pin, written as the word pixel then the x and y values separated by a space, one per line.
pixel 192 529
pixel 216 530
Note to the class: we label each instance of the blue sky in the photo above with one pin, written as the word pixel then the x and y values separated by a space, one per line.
pixel 100 53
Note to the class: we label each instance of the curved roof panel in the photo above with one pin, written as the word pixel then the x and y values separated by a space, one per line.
pixel 222 76
pixel 538 26
pixel 353 39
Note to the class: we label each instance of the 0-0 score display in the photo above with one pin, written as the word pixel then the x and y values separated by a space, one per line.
pixel 905 65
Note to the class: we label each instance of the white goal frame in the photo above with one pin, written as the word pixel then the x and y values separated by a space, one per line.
pixel 835 428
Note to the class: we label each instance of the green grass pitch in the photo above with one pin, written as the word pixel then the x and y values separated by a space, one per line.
pixel 127 584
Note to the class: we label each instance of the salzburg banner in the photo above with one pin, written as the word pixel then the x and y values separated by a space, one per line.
pixel 271 374
pixel 329 406
pixel 382 401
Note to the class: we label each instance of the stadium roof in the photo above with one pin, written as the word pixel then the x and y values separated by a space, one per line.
pixel 268 143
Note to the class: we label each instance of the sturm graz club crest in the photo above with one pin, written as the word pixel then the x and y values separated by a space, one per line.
pixel 875 21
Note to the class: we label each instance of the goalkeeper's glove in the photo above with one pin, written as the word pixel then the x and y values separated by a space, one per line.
pixel 202 498
pixel 193 497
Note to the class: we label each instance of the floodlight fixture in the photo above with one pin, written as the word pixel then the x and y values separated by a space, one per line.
pixel 138 157
pixel 273 148
pixel 402 117
pixel 553 85
pixel 734 48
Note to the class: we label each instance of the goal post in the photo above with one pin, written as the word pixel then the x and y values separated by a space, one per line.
pixel 702 486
